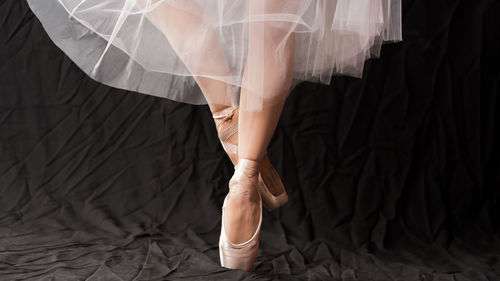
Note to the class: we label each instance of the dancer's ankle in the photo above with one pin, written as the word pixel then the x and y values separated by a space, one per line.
pixel 251 156
pixel 245 177
pixel 217 109
pixel 247 166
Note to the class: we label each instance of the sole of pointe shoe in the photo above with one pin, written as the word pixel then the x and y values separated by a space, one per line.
pixel 270 201
pixel 272 190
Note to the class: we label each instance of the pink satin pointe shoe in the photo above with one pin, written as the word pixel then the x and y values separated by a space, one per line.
pixel 242 255
pixel 270 185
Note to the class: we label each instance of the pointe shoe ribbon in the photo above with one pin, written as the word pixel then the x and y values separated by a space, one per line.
pixel 226 115
pixel 270 185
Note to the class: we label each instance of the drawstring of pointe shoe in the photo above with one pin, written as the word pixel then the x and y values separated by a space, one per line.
pixel 245 170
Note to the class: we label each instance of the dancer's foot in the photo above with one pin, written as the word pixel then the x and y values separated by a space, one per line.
pixel 242 213
pixel 270 186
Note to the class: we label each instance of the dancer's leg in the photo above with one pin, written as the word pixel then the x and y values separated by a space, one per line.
pixel 267 74
pixel 196 43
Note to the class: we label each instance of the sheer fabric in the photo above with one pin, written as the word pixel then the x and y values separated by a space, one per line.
pixel 160 47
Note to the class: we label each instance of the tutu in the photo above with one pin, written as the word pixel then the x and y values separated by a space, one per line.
pixel 164 47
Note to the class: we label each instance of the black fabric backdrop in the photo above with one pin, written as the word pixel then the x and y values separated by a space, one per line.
pixel 391 177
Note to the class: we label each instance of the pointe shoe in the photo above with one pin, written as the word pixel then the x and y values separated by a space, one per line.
pixel 239 256
pixel 270 186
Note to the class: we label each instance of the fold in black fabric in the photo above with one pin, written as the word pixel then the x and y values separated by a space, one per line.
pixel 390 177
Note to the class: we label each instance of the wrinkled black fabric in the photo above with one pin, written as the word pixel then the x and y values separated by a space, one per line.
pixel 391 177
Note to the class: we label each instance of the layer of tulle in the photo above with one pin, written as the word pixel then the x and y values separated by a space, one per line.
pixel 163 47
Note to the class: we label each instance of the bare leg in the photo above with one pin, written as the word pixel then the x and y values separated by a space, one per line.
pixel 268 75
pixel 196 43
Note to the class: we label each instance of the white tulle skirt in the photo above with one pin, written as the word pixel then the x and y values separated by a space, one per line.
pixel 210 51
